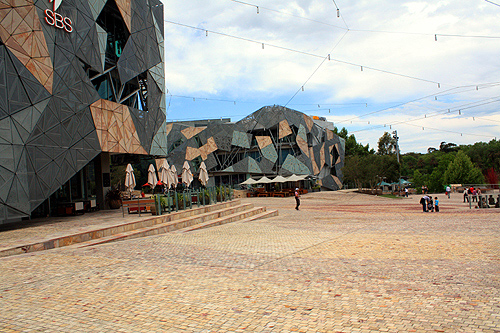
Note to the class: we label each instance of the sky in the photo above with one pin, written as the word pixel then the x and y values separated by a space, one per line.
pixel 429 70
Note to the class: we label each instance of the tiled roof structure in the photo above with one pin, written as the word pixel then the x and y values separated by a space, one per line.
pixel 93 82
pixel 272 140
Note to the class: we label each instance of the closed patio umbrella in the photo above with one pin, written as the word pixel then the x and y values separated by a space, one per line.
pixel 164 174
pixel 203 177
pixel 187 176
pixel 152 179
pixel 173 173
pixel 129 178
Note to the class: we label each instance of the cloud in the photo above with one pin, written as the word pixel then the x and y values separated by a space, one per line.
pixel 392 37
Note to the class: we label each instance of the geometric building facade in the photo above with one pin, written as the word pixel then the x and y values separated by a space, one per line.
pixel 77 78
pixel 273 140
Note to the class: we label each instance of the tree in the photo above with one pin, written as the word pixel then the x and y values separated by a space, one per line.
pixel 448 147
pixel 386 144
pixel 352 147
pixel 418 180
pixel 430 150
pixel 492 177
pixel 352 170
pixel 366 171
pixel 484 155
pixel 462 171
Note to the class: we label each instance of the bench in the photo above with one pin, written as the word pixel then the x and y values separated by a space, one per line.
pixel 138 205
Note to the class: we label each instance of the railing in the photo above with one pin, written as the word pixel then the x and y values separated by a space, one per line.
pixel 175 201
pixel 483 201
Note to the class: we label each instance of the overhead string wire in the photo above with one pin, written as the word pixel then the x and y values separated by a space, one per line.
pixel 492 3
pixel 443 111
pixel 317 68
pixel 235 101
pixel 328 57
pixel 444 93
pixel 454 132
pixel 288 14
pixel 306 53
pixel 339 15
pixel 435 35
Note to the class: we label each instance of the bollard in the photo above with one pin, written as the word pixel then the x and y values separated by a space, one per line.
pixel 157 204
pixel 168 203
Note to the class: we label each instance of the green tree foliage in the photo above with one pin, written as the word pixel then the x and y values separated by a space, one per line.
pixel 448 147
pixel 362 169
pixel 484 155
pixel 386 144
pixel 367 170
pixel 419 180
pixel 352 147
pixel 462 171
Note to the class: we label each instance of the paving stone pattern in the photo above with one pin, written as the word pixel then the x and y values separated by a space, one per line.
pixel 344 263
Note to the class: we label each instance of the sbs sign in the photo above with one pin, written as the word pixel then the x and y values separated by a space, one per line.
pixel 57 20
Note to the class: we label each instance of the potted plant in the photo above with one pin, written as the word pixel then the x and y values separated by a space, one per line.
pixel 113 198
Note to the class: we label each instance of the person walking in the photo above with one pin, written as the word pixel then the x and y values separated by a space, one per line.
pixel 466 195
pixel 448 191
pixel 297 198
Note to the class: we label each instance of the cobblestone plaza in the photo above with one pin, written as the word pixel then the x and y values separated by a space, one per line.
pixel 344 263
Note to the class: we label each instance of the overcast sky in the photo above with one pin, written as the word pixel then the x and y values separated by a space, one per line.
pixel 394 64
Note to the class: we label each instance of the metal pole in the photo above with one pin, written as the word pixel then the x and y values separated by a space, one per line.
pixel 395 136
pixel 139 206
pixel 168 202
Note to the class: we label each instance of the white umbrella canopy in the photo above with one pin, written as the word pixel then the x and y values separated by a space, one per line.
pixel 203 177
pixel 187 175
pixel 295 178
pixel 264 180
pixel 152 179
pixel 279 179
pixel 129 178
pixel 249 181
pixel 173 174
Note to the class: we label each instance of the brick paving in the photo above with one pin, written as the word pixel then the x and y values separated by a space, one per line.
pixel 344 263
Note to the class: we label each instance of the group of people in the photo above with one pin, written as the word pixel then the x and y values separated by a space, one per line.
pixel 429 205
pixel 471 194
pixel 474 195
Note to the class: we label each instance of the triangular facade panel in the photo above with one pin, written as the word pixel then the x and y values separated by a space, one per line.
pixel 60 92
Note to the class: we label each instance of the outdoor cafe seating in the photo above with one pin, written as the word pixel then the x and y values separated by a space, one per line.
pixel 279 191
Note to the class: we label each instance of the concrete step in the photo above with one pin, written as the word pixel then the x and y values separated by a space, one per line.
pixel 260 213
pixel 226 215
pixel 98 233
